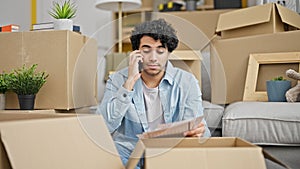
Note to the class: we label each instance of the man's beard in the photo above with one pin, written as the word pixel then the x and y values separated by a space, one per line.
pixel 156 72
pixel 151 73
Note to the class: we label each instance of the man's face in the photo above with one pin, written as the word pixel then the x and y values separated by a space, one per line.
pixel 155 56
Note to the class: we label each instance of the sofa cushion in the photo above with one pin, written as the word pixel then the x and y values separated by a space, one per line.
pixel 213 114
pixel 265 123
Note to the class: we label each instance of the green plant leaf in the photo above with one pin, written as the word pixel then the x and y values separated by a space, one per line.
pixel 4 82
pixel 278 78
pixel 66 10
pixel 27 81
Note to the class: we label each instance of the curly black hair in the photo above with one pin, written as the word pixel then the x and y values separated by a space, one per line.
pixel 157 29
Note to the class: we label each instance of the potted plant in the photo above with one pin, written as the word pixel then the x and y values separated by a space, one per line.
pixel 63 13
pixel 26 83
pixel 4 86
pixel 276 89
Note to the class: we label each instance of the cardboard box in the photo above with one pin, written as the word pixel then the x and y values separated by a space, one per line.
pixel 209 2
pixel 48 141
pixel 229 62
pixel 205 153
pixel 261 19
pixel 199 26
pixel 147 4
pixel 69 58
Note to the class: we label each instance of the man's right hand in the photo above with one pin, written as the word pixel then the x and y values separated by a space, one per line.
pixel 133 69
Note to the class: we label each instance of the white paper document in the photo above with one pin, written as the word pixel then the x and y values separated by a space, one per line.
pixel 175 129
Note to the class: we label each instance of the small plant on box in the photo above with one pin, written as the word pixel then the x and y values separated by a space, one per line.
pixel 63 13
pixel 64 10
pixel 26 83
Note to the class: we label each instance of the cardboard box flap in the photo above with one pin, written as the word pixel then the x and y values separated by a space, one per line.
pixel 258 15
pixel 13 115
pixel 70 142
pixel 236 19
pixel 136 155
pixel 288 16
pixel 271 158
pixel 192 142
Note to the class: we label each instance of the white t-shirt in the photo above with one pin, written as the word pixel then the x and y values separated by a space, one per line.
pixel 153 107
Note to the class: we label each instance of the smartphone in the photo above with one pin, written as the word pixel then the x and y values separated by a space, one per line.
pixel 140 66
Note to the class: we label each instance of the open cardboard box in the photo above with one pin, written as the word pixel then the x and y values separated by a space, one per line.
pixel 204 153
pixel 69 58
pixel 261 19
pixel 44 140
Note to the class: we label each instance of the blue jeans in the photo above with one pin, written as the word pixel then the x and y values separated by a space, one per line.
pixel 125 153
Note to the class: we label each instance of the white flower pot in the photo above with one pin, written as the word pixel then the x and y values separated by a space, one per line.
pixel 63 24
pixel 2 101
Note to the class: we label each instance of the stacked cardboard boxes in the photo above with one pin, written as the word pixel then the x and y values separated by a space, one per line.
pixel 69 58
pixel 267 28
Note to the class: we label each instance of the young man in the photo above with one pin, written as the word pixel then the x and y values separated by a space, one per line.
pixel 135 102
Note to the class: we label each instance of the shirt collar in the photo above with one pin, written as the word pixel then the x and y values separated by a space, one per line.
pixel 170 73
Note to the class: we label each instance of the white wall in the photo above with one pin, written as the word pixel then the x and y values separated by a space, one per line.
pixel 90 19
pixel 16 12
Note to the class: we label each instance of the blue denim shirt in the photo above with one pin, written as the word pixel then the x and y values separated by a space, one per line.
pixel 124 111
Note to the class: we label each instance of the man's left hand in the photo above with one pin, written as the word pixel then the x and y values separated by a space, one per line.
pixel 197 132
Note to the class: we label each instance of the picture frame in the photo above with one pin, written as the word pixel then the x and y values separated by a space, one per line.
pixel 255 60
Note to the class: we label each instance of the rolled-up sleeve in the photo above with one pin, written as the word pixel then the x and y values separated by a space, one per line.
pixel 115 102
